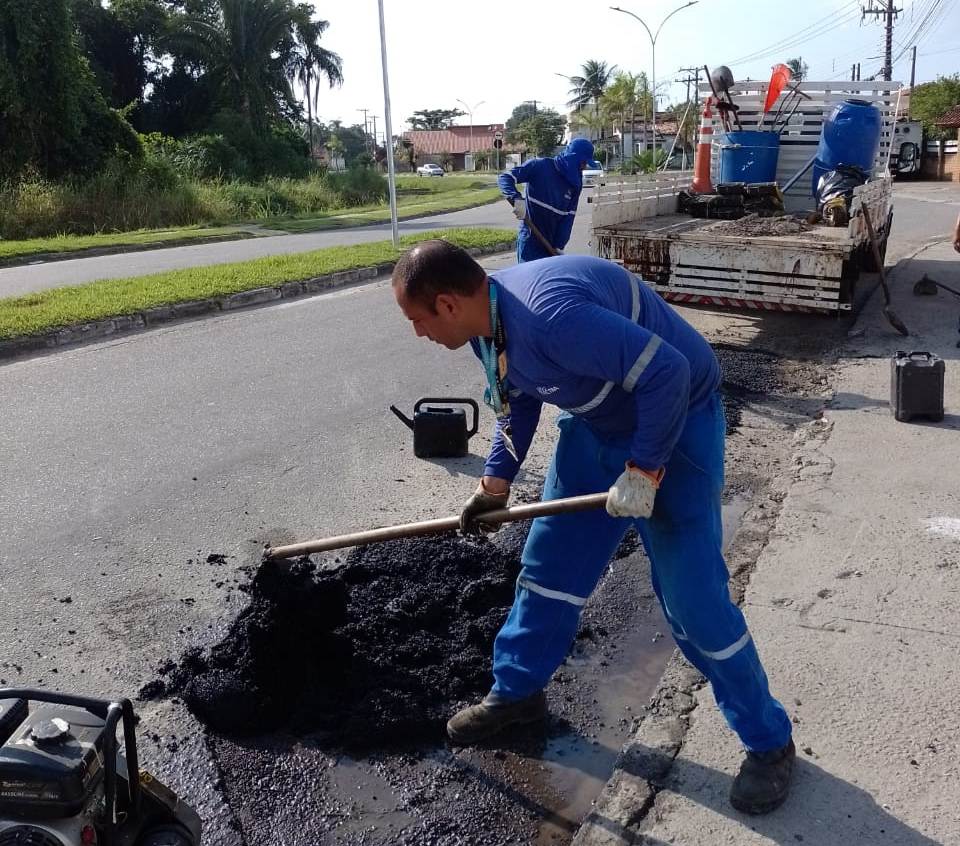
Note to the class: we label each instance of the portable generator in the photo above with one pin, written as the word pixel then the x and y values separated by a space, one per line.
pixel 64 781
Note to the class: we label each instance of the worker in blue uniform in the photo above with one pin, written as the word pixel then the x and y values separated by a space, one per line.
pixel 642 419
pixel 550 204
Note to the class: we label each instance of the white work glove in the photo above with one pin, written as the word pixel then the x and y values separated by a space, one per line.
pixel 519 208
pixel 633 493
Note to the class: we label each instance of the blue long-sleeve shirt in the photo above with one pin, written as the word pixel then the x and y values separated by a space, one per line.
pixel 586 335
pixel 551 204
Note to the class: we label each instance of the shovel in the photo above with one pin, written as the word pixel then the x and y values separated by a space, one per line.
pixel 888 312
pixel 511 514
pixel 540 237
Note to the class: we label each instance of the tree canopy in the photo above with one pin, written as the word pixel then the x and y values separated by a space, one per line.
pixel 78 76
pixel 929 101
pixel 434 118
pixel 53 116
pixel 542 132
pixel 588 86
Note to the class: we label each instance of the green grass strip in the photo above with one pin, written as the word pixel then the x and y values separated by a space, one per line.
pixel 42 311
pixel 71 243
pixel 410 206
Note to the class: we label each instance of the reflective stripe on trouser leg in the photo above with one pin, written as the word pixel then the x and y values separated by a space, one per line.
pixel 564 558
pixel 684 542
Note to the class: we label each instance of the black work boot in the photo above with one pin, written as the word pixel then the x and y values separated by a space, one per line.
pixel 763 781
pixel 493 715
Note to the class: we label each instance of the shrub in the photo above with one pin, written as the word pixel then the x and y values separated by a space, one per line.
pixel 359 186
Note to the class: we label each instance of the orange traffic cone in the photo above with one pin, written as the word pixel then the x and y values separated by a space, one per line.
pixel 701 165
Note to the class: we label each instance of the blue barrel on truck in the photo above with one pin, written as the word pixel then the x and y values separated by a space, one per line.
pixel 851 136
pixel 749 156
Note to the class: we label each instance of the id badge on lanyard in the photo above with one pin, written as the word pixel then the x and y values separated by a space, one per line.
pixel 493 351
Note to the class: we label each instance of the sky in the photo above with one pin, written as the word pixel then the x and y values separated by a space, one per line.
pixel 442 51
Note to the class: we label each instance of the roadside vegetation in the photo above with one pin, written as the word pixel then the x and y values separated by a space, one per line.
pixel 161 114
pixel 58 307
pixel 99 209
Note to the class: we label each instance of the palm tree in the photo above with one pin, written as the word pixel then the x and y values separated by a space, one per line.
pixel 798 69
pixel 627 94
pixel 245 48
pixel 308 61
pixel 595 123
pixel 588 87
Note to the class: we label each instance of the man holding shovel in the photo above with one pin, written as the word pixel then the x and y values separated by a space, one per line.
pixel 553 191
pixel 642 419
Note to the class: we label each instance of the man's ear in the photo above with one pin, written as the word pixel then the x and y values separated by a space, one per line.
pixel 446 305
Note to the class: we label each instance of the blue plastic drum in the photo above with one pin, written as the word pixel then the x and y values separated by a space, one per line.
pixel 749 156
pixel 851 136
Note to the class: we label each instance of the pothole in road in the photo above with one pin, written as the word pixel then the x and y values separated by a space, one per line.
pixel 370 654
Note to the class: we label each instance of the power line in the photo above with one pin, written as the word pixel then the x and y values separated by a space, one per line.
pixel 807 33
pixel 890 13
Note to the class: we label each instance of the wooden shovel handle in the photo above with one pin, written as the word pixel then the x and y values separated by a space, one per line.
pixel 439 526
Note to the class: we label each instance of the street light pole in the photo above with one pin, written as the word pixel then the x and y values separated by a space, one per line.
pixel 391 167
pixel 653 60
pixel 470 112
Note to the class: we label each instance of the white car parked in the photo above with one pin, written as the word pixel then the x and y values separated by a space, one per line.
pixel 593 174
pixel 430 170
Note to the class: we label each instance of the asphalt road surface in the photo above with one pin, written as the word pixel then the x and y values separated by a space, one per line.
pixel 126 463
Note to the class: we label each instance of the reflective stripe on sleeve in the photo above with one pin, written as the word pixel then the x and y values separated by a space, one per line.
pixel 555 210
pixel 644 359
pixel 599 398
pixel 526 584
pixel 608 386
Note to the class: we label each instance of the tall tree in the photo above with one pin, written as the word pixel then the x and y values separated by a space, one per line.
pixel 52 115
pixel 628 95
pixel 244 48
pixel 120 42
pixel 434 118
pixel 798 69
pixel 309 62
pixel 929 101
pixel 521 113
pixel 541 132
pixel 588 86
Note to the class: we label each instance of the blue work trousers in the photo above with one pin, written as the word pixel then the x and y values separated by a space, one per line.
pixel 566 555
pixel 529 247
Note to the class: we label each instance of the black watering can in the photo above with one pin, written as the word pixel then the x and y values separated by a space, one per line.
pixel 440 432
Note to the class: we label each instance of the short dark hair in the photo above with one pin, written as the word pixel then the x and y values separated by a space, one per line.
pixel 437 267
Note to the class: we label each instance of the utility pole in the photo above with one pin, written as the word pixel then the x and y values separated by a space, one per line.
pixel 366 131
pixel 373 118
pixel 692 76
pixel 913 67
pixel 391 167
pixel 885 8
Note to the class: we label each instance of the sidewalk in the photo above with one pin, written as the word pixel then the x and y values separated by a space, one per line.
pixel 855 608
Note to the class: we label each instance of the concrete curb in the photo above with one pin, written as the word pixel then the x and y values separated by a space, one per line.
pixel 85 332
pixel 28 259
pixel 644 761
